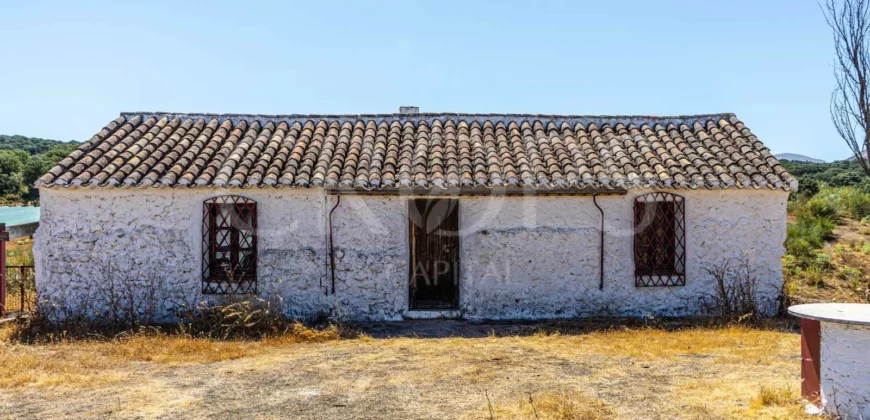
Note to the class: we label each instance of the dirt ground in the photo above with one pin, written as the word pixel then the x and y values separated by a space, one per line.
pixel 438 369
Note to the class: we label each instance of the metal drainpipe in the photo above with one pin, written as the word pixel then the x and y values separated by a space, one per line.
pixel 332 245
pixel 325 245
pixel 601 253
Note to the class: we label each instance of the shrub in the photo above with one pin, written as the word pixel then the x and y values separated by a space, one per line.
pixel 251 318
pixel 845 179
pixel 857 203
pixel 814 275
pixel 823 206
pixel 834 202
pixel 797 246
pixel 777 395
pixel 809 187
pixel 735 298
pixel 807 234
pixel 244 318
pixel 848 273
pixel 822 260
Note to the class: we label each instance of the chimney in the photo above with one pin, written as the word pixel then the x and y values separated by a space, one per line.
pixel 409 110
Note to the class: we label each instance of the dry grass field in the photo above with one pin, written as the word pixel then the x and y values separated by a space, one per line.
pixel 591 373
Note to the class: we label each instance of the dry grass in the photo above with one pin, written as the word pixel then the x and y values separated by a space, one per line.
pixel 729 372
pixel 13 300
pixel 775 395
pixel 561 404
pixel 19 251
pixel 95 363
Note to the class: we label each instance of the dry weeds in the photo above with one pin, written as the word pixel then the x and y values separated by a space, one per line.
pixel 560 404
pixel 733 372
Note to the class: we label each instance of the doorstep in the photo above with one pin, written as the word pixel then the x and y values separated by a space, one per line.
pixel 437 314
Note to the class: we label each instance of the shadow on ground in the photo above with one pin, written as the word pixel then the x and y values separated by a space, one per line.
pixel 441 328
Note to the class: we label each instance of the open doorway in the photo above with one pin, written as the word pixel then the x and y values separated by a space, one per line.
pixel 434 240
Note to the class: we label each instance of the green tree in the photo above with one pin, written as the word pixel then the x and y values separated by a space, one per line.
pixel 845 179
pixel 23 160
pixel 33 169
pixel 11 178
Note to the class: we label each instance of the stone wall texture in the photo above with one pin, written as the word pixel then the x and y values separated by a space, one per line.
pixel 521 257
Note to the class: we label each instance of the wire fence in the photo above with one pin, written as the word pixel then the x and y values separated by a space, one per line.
pixel 20 289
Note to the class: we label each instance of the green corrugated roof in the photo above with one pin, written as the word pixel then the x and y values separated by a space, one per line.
pixel 14 216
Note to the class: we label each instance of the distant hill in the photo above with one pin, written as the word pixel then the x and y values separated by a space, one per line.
pixel 794 157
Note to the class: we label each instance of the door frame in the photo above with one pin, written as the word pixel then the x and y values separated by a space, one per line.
pixel 409 202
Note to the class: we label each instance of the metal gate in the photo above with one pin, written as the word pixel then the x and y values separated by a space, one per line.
pixel 20 289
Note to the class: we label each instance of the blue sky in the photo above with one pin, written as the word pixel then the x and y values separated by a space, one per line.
pixel 67 69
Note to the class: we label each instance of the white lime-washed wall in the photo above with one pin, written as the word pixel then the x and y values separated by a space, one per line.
pixel 539 257
pixel 522 257
pixel 845 370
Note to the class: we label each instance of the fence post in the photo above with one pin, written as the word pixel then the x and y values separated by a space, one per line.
pixel 4 236
pixel 21 288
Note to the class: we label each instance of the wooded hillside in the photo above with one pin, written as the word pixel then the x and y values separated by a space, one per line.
pixel 23 160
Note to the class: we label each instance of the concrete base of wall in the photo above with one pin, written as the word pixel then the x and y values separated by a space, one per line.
pixel 452 314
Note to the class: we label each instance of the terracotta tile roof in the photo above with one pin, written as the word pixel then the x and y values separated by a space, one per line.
pixel 422 151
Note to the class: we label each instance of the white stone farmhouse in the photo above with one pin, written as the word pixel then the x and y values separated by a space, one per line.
pixel 388 217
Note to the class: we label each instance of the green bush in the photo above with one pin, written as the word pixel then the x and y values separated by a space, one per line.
pixel 808 234
pixel 823 206
pixel 823 260
pixel 846 179
pixel 864 186
pixel 856 202
pixel 842 201
pixel 809 187
pixel 797 246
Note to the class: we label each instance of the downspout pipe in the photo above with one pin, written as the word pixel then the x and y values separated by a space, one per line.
pixel 325 273
pixel 332 244
pixel 601 246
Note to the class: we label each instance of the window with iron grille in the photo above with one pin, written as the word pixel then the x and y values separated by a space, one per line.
pixel 229 245
pixel 659 240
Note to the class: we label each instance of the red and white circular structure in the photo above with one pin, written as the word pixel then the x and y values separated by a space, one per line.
pixel 835 365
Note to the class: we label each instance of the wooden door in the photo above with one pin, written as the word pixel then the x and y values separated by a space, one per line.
pixel 434 226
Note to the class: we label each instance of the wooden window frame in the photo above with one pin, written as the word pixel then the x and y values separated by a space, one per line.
pixel 229 229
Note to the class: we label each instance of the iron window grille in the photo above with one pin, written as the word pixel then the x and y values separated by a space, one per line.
pixel 229 245
pixel 659 240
